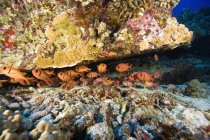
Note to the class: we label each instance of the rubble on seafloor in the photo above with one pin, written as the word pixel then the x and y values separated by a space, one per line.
pixel 64 33
pixel 91 113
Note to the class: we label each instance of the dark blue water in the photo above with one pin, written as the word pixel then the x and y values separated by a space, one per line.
pixel 194 5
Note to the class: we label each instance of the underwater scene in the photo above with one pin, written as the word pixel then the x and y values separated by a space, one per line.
pixel 104 69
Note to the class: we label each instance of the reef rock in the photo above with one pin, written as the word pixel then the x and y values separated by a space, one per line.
pixel 197 89
pixel 61 34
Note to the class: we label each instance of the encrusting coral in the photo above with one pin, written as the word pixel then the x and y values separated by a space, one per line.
pixel 62 34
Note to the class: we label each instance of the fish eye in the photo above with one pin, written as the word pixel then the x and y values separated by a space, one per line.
pixel 36 70
pixel 4 68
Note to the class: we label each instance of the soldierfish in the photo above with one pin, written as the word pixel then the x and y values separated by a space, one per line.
pixel 123 67
pixel 131 77
pixel 102 68
pixel 92 75
pixel 82 68
pixel 64 76
pixel 14 73
pixel 72 73
pixel 41 84
pixel 107 81
pixel 51 82
pixel 40 74
pixel 145 77
pixel 21 81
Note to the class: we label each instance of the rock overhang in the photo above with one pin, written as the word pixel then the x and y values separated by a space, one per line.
pixel 86 31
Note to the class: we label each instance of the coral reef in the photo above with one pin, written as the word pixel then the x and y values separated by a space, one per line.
pixel 88 113
pixel 14 125
pixel 61 33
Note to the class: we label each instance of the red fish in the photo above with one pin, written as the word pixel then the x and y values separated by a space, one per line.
pixel 92 75
pixel 123 67
pixel 131 77
pixel 73 73
pixel 102 68
pixel 14 73
pixel 64 76
pixel 107 81
pixel 41 75
pixel 21 81
pixel 82 68
pixel 145 77
pixel 41 84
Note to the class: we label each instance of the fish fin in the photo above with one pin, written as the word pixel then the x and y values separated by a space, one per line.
pixel 145 85
pixel 30 78
pixel 27 81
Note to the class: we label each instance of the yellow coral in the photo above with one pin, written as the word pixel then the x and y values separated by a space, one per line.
pixel 75 49
pixel 144 45
pixel 173 35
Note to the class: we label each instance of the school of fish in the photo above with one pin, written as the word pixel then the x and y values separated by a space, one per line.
pixel 80 76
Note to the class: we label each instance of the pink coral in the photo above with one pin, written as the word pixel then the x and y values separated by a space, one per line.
pixel 144 26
